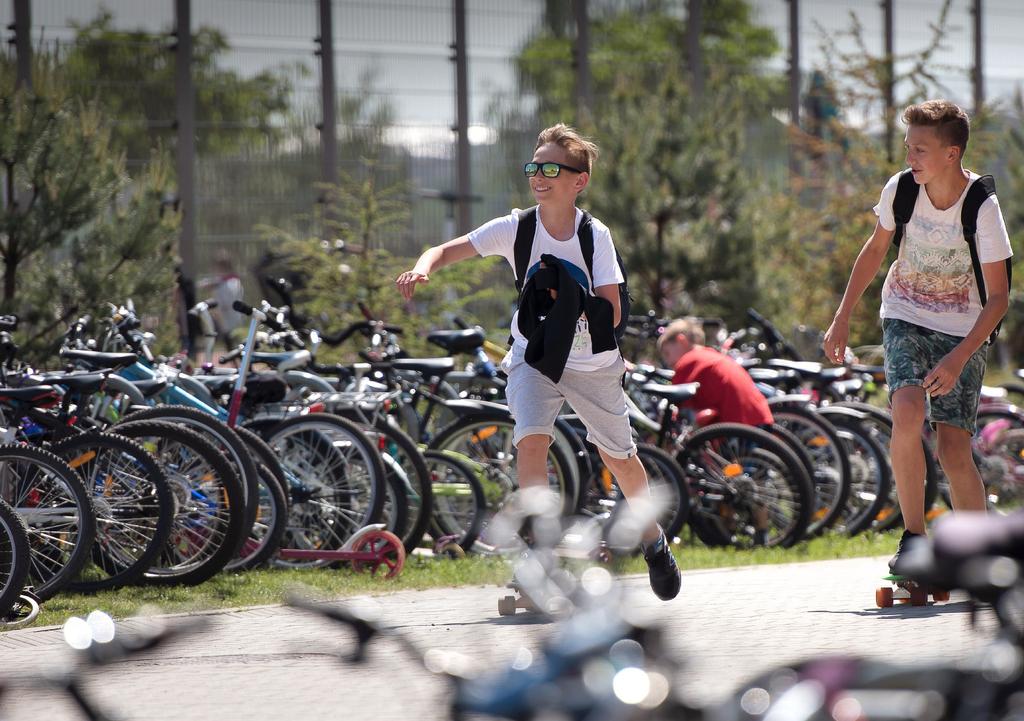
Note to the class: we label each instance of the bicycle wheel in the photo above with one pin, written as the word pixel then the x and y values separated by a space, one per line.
pixel 830 466
pixel 336 481
pixel 460 506
pixel 58 512
pixel 486 438
pixel 208 521
pixel 398 467
pixel 133 503
pixel 748 488
pixel 870 475
pixel 226 441
pixel 266 534
pixel 14 557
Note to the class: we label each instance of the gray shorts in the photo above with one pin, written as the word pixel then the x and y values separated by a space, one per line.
pixel 595 396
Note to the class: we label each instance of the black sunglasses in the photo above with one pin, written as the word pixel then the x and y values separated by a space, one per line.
pixel 548 170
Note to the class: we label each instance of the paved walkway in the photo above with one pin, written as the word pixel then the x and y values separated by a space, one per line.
pixel 277 663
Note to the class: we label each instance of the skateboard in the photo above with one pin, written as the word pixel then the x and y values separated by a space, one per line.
pixel 903 590
pixel 509 604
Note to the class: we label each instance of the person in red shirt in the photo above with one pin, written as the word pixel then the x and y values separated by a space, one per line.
pixel 725 386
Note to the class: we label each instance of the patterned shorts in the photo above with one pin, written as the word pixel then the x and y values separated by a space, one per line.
pixel 910 354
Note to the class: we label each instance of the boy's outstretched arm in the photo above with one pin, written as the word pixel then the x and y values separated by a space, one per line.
pixel 865 268
pixel 434 259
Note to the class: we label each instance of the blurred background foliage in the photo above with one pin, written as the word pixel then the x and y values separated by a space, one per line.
pixel 705 202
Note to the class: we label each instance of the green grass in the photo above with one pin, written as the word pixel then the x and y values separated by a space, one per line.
pixel 255 588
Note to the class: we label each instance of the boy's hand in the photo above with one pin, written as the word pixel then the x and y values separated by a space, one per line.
pixel 835 341
pixel 407 281
pixel 943 377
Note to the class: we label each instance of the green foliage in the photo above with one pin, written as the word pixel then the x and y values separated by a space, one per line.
pixel 671 182
pixel 335 278
pixel 74 228
pixel 131 75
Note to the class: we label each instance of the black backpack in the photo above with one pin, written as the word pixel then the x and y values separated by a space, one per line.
pixel 903 207
pixel 524 246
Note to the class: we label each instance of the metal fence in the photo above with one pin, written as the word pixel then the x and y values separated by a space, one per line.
pixel 396 59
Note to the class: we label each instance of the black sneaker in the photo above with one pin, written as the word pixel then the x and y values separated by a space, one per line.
pixel 662 570
pixel 904 540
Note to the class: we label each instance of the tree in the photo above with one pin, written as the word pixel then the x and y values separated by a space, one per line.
pixel 130 74
pixel 670 183
pixel 75 230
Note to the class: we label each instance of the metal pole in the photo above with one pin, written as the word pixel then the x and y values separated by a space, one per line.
pixel 328 125
pixel 328 96
pixel 694 27
pixel 23 42
pixel 890 80
pixel 979 59
pixel 185 151
pixel 462 186
pixel 794 62
pixel 581 53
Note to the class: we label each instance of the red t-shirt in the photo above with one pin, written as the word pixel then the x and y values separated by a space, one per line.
pixel 725 386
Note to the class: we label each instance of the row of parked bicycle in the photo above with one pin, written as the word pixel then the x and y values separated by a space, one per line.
pixel 124 467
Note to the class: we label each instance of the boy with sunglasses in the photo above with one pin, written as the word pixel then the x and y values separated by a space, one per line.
pixel 943 297
pixel 590 382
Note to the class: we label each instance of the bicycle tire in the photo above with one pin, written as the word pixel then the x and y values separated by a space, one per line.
pixel 460 506
pixel 222 436
pixel 830 465
pixel 714 456
pixel 336 481
pixel 264 537
pixel 871 475
pixel 208 525
pixel 54 560
pixel 133 502
pixel 463 437
pixel 14 557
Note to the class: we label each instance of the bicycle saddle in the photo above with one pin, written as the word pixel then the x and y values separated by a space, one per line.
pixel 428 367
pixel 457 341
pixel 29 394
pixel 150 387
pixel 85 382
pixel 96 360
pixel 673 393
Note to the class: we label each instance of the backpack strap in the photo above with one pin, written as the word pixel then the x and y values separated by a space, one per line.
pixel 977 194
pixel 524 244
pixel 586 236
pixel 903 203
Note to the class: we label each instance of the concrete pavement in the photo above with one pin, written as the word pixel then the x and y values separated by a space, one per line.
pixel 278 663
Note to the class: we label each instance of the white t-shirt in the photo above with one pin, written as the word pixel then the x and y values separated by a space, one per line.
pixel 931 283
pixel 498 237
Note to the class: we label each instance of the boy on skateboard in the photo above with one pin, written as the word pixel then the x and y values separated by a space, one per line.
pixel 566 350
pixel 942 301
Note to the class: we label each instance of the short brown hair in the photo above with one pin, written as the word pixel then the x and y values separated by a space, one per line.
pixel 948 119
pixel 692 328
pixel 582 151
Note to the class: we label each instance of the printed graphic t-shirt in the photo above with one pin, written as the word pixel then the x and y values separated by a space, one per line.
pixel 498 237
pixel 931 283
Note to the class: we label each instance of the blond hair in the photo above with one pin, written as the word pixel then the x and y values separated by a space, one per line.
pixel 948 119
pixel 691 328
pixel 582 151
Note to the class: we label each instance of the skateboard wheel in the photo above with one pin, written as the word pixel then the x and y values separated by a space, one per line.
pixel 918 597
pixel 507 606
pixel 451 550
pixel 940 595
pixel 883 597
